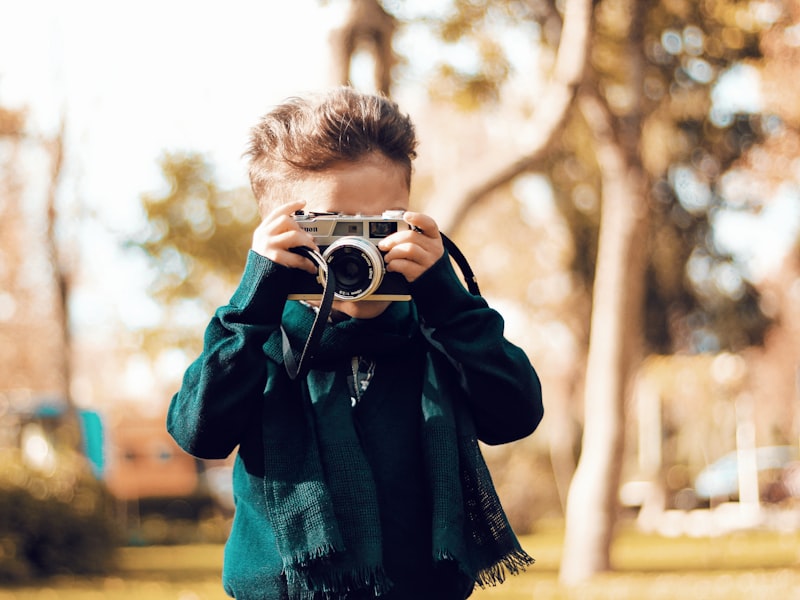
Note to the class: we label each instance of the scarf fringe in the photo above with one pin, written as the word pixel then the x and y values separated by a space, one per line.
pixel 334 584
pixel 513 563
pixel 303 559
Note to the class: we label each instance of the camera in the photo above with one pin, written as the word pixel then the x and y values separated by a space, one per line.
pixel 348 244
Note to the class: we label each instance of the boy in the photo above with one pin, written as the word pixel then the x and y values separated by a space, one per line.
pixel 362 479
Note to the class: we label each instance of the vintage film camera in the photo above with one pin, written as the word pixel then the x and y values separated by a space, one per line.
pixel 348 244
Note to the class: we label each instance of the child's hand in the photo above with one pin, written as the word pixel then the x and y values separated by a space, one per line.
pixel 278 233
pixel 413 252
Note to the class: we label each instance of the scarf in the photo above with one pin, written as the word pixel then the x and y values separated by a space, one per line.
pixel 319 490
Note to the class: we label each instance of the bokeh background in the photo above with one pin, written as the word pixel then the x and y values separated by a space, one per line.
pixel 624 177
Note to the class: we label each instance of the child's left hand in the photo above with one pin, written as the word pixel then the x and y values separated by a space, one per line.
pixel 414 251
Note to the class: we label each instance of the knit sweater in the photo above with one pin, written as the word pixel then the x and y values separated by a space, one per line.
pixel 220 407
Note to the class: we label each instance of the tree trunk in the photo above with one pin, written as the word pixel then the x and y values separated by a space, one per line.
pixel 61 271
pixel 58 266
pixel 592 501
pixel 367 25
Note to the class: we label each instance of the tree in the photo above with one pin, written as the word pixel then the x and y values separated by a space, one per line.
pixel 650 78
pixel 196 238
pixel 616 302
pixel 768 168
pixel 615 320
pixel 12 229
pixel 59 263
pixel 34 319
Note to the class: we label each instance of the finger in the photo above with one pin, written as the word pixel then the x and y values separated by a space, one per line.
pixel 266 241
pixel 278 223
pixel 285 209
pixel 294 238
pixel 407 268
pixel 275 239
pixel 422 223
pixel 429 240
pixel 405 251
pixel 281 249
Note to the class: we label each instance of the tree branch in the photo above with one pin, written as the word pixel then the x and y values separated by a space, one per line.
pixel 465 191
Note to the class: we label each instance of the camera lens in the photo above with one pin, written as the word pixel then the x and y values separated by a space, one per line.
pixel 350 270
pixel 357 265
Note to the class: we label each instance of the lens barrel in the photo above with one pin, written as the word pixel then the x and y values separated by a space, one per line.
pixel 358 266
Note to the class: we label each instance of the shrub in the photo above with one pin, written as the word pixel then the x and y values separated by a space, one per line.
pixel 53 524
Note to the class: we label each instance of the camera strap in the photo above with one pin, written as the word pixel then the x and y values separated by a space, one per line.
pixel 295 368
pixel 463 264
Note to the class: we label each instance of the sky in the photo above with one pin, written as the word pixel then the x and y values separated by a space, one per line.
pixel 139 78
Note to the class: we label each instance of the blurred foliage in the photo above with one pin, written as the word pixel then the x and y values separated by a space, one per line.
pixel 656 78
pixel 687 48
pixel 197 239
pixel 476 27
pixel 53 523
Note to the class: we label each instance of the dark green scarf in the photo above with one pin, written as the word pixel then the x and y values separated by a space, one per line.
pixel 320 493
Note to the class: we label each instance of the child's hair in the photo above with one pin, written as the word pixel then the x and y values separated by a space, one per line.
pixel 313 133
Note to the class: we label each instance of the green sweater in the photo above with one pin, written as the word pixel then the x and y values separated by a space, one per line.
pixel 220 407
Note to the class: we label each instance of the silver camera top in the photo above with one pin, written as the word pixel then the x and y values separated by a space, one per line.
pixel 328 227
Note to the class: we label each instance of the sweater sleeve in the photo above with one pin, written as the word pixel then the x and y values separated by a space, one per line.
pixel 222 388
pixel 502 387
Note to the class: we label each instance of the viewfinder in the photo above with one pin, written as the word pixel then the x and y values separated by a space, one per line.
pixel 382 229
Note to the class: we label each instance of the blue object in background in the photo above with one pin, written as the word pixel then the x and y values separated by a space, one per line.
pixel 721 478
pixel 92 440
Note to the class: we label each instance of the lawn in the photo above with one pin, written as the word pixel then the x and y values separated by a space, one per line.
pixel 734 567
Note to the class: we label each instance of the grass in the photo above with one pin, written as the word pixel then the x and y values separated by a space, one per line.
pixel 741 566
pixel 146 573
pixel 738 566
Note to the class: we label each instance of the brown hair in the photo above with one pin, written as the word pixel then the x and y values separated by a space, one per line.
pixel 314 133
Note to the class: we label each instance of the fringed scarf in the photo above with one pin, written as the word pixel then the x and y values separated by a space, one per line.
pixel 319 489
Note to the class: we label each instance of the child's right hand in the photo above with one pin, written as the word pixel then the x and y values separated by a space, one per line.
pixel 278 233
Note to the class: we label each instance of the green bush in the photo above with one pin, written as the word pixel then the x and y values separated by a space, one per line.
pixel 53 524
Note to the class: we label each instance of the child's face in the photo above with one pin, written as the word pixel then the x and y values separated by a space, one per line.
pixel 368 187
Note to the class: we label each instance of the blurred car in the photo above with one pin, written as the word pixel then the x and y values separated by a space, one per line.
pixel 721 478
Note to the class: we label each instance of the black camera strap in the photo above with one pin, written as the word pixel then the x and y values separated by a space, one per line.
pixel 295 368
pixel 463 264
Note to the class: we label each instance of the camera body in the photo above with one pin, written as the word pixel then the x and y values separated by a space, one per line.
pixel 348 243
